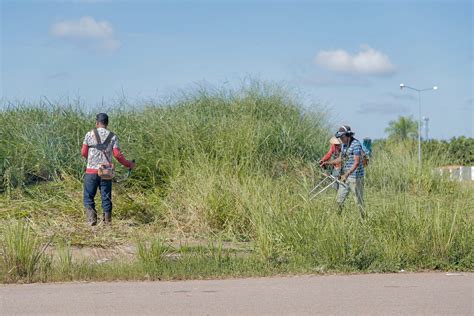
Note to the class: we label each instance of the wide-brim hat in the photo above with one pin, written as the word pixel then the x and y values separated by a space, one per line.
pixel 335 141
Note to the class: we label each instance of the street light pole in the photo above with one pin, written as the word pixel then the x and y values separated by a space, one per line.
pixel 425 125
pixel 419 128
pixel 419 115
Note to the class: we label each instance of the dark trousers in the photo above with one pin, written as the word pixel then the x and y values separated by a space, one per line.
pixel 91 183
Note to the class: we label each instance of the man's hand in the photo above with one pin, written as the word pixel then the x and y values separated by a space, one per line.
pixel 344 177
pixel 322 163
pixel 132 164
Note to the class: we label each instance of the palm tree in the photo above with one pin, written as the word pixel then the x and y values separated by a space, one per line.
pixel 402 129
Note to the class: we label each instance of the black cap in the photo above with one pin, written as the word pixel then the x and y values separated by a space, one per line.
pixel 102 118
pixel 344 130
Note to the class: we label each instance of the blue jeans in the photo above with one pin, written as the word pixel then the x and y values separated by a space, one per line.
pixel 91 183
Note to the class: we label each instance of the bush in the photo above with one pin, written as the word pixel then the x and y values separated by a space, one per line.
pixel 458 151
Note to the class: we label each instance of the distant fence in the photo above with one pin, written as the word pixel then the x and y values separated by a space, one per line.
pixel 458 173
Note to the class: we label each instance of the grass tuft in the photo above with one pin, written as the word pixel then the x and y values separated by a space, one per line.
pixel 22 253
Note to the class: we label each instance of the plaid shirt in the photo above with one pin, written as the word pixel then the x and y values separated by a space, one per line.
pixel 348 154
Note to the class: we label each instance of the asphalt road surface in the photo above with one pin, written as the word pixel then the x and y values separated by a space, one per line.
pixel 370 294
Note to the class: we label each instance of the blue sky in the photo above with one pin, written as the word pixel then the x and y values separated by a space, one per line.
pixel 348 56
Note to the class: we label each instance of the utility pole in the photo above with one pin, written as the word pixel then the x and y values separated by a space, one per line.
pixel 402 86
pixel 426 121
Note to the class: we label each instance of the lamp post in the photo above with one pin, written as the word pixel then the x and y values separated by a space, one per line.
pixel 425 125
pixel 402 86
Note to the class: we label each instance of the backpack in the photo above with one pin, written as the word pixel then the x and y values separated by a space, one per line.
pixel 106 171
pixel 365 158
pixel 366 151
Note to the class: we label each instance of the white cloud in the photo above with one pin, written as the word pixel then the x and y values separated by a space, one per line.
pixel 85 27
pixel 87 30
pixel 367 61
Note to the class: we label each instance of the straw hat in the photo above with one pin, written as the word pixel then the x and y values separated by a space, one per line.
pixel 335 141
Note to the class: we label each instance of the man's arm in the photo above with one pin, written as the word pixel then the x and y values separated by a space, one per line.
pixel 334 161
pixel 85 147
pixel 354 167
pixel 327 156
pixel 85 151
pixel 119 156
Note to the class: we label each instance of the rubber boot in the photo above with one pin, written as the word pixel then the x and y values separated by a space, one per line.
pixel 91 216
pixel 108 218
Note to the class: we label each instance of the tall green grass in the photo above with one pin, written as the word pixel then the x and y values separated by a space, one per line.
pixel 22 252
pixel 253 130
pixel 232 165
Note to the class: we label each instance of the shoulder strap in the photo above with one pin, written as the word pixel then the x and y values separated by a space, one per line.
pixel 97 136
pixel 105 144
pixel 101 146
pixel 350 142
pixel 108 139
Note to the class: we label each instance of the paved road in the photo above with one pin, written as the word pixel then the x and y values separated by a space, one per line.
pixel 376 294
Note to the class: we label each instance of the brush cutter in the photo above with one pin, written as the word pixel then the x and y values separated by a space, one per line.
pixel 122 179
pixel 326 182
pixel 125 176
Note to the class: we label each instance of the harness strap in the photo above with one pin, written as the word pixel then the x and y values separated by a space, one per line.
pixel 102 146
pixel 97 137
pixel 344 155
pixel 108 139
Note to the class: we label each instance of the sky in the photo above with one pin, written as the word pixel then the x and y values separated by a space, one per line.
pixel 347 57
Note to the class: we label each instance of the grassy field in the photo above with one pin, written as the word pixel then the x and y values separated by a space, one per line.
pixel 219 166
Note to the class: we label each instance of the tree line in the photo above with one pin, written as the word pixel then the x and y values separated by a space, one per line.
pixel 457 150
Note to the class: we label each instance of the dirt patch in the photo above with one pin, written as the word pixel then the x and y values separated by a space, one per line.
pixel 129 252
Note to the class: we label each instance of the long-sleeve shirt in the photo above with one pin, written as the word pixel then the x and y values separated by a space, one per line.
pixel 95 158
pixel 333 153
